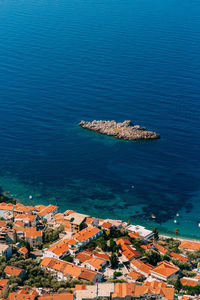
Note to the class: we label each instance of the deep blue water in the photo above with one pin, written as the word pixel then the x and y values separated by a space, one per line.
pixel 64 61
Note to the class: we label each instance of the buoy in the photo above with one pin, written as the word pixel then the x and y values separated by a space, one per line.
pixel 30 197
pixel 199 224
pixel 177 215
pixel 175 221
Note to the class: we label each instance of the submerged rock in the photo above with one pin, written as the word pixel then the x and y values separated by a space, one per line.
pixel 125 130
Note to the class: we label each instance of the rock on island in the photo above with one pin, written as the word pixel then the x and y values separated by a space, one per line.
pixel 125 130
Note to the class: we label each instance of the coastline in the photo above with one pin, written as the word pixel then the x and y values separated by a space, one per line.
pixel 8 198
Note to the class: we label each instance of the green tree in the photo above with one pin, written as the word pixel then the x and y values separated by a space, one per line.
pixel 101 243
pixel 178 284
pixel 153 257
pixel 114 260
pixel 155 234
pixel 5 292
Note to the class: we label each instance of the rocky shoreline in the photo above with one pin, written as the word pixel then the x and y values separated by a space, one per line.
pixel 125 130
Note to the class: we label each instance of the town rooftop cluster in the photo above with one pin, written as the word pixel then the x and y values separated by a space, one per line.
pixel 90 258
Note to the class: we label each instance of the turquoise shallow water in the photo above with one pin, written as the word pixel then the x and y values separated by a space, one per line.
pixel 61 62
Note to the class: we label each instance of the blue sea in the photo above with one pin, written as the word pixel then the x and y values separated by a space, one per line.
pixel 66 61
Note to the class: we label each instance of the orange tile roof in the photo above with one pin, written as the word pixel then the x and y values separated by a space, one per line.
pixel 134 275
pixel 59 249
pixel 82 257
pixel 14 271
pixel 89 220
pixel 72 270
pixel 101 255
pixel 50 208
pixel 146 246
pixel 25 217
pixel 3 282
pixel 6 206
pixel 185 297
pixel 32 232
pixel 179 257
pixel 141 290
pixel 189 281
pixel 80 287
pixel 145 289
pixel 197 277
pixel 23 250
pixel 87 274
pixel 97 263
pixel 161 249
pixel 124 289
pixel 86 233
pixel 123 242
pixel 106 225
pixel 3 223
pixel 19 223
pixel 46 261
pixel 69 212
pixel 16 296
pixel 40 207
pixel 22 208
pixel 62 296
pixel 165 269
pixel 59 216
pixel 141 266
pixel 22 291
pixel 188 245
pixel 129 253
pixel 134 235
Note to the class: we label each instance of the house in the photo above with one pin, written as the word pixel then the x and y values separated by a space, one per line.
pixel 5 250
pixel 189 246
pixel 22 209
pixel 140 267
pixel 162 250
pixel 23 294
pixel 179 257
pixel 133 275
pixel 142 231
pixel 83 256
pixel 87 235
pixel 100 291
pixel 74 221
pixel 23 251
pixel 28 219
pixel 61 296
pixel 3 283
pixel 33 236
pixel 106 226
pixel 123 291
pixel 146 290
pixel 48 212
pixel 60 250
pixel 188 281
pixel 14 271
pixel 90 221
pixel 6 210
pixel 165 271
pixel 66 270
pixel 95 264
pixel 129 253
pixel 30 234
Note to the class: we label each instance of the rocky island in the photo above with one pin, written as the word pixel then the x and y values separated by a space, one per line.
pixel 125 130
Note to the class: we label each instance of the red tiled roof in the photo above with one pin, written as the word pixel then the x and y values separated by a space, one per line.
pixel 189 281
pixel 179 257
pixel 14 271
pixel 188 245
